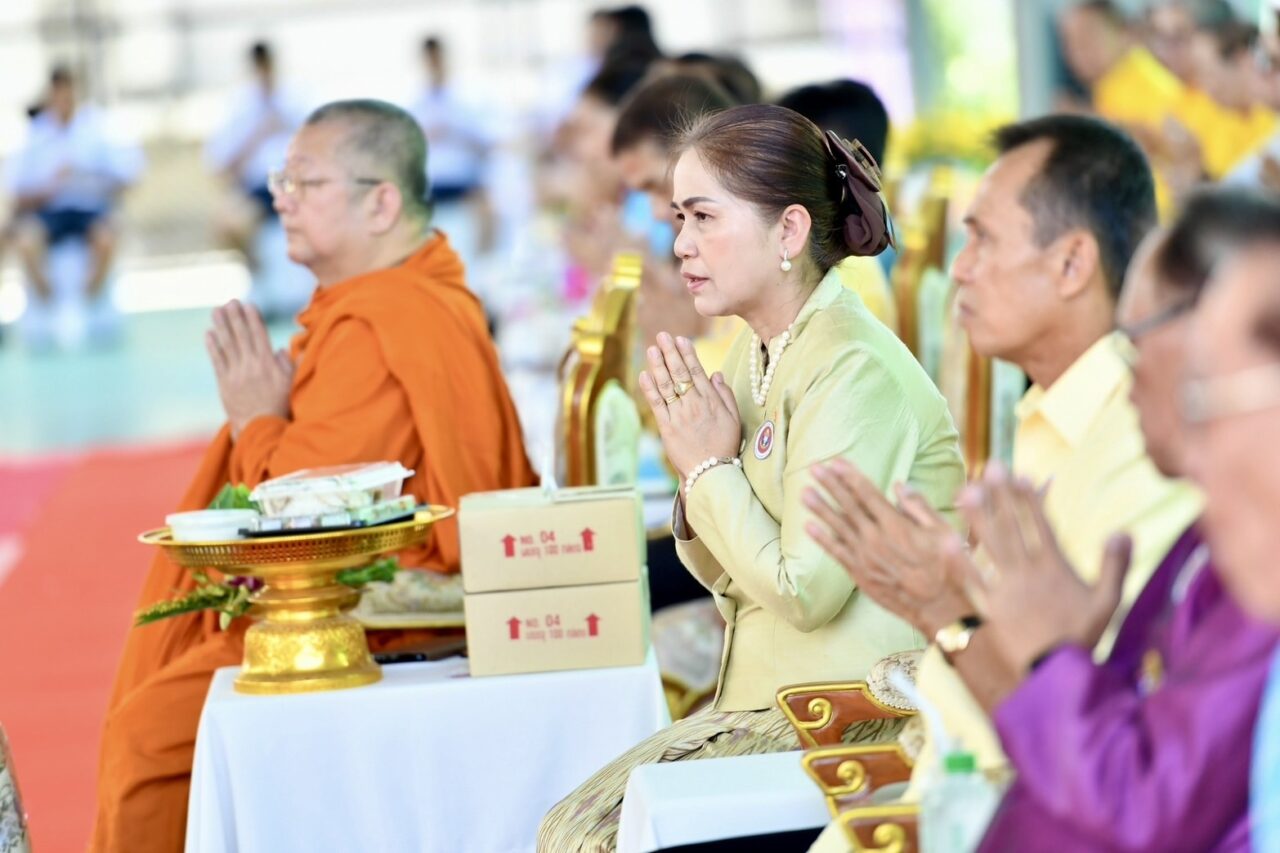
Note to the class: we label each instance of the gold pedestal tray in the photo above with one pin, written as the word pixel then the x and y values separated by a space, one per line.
pixel 305 641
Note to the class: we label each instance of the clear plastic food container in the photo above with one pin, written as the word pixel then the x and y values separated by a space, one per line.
pixel 391 510
pixel 338 488
pixel 209 525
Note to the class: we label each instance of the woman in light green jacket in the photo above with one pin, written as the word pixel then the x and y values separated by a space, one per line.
pixel 766 206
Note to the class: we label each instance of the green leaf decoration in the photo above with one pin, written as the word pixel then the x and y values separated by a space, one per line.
pixel 205 597
pixel 234 497
pixel 383 570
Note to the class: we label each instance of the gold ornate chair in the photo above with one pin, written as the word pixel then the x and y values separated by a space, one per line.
pixel 965 381
pixel 825 713
pixel 923 247
pixel 822 712
pixel 599 359
pixel 963 376
pixel 882 829
pixel 850 775
pixel 597 371
pixel 13 820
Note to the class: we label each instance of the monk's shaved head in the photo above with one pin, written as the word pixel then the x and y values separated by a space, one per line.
pixel 385 139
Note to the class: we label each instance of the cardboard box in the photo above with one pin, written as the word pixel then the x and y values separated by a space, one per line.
pixel 570 627
pixel 531 539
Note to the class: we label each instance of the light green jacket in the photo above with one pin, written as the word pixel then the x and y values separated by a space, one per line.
pixel 845 386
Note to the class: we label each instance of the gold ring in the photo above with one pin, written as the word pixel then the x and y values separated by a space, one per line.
pixel 682 388
pixel 670 400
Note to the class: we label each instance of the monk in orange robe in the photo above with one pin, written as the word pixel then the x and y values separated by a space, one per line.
pixel 394 362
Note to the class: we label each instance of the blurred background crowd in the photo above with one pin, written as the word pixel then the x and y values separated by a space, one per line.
pixel 136 138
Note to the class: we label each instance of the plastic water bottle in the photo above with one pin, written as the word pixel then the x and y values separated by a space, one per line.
pixel 957 807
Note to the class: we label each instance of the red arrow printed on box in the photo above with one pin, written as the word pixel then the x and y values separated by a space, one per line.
pixel 593 625
pixel 513 625
pixel 509 545
pixel 588 540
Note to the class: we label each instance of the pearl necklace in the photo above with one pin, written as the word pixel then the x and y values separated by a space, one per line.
pixel 760 385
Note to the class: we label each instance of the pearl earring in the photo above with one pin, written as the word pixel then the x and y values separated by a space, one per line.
pixel 786 262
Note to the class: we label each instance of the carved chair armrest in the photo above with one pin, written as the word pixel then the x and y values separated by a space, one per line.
pixel 849 775
pixel 882 829
pixel 821 712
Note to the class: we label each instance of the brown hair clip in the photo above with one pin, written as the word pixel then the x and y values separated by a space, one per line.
pixel 867 228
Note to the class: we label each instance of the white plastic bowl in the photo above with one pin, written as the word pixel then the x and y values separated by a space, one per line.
pixel 209 525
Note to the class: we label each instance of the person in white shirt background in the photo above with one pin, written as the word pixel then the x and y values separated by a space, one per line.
pixel 460 145
pixel 66 183
pixel 245 150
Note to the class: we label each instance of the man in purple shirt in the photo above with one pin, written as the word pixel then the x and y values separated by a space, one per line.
pixel 1232 403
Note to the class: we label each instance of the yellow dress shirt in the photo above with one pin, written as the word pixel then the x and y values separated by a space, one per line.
pixel 844 387
pixel 1080 438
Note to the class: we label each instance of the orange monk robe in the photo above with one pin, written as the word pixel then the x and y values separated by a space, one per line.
pixel 393 365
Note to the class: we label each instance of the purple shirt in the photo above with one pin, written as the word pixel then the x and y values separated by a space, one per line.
pixel 1149 751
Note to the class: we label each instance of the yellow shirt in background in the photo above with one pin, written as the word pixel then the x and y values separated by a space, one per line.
pixel 863 276
pixel 1080 438
pixel 1137 90
pixel 866 277
pixel 1226 136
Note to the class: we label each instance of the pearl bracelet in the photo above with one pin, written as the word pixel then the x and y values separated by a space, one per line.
pixel 706 466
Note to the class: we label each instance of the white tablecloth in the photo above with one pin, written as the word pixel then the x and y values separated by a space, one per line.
pixel 689 802
pixel 428 759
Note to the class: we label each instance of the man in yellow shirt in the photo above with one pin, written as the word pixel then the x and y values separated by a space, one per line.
pixel 1050 234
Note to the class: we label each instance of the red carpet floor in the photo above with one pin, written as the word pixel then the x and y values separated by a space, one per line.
pixel 64 609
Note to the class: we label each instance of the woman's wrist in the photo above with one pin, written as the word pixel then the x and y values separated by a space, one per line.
pixel 705 466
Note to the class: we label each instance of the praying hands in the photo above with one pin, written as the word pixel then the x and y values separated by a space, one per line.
pixel 253 379
pixel 902 557
pixel 1033 601
pixel 697 415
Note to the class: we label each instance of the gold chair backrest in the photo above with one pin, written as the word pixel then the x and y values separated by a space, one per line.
pixel 923 247
pixel 964 376
pixel 601 351
pixel 966 382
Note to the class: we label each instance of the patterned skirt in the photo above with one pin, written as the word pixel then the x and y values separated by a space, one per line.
pixel 587 819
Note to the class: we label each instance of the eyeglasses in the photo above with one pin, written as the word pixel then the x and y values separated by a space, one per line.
pixel 282 183
pixel 1160 318
pixel 1244 392
pixel 1130 335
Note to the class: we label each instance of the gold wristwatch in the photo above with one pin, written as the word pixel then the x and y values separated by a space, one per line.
pixel 955 637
